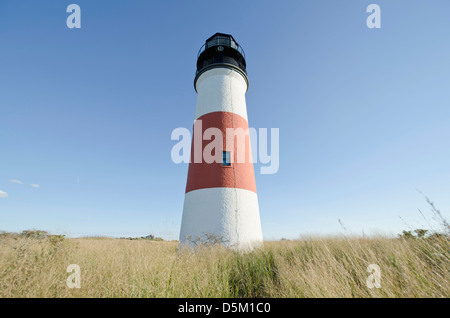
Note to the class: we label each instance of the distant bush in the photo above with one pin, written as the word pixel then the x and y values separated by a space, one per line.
pixel 33 234
pixel 150 237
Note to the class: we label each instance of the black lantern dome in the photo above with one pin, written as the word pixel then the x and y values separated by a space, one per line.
pixel 221 50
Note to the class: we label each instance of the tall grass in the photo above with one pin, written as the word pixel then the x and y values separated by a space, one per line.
pixel 316 267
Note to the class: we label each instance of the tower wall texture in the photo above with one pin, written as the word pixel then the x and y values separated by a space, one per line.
pixel 221 202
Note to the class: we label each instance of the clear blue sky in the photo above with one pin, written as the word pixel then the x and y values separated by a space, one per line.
pixel 87 114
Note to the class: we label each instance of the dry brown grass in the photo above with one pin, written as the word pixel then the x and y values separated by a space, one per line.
pixel 318 267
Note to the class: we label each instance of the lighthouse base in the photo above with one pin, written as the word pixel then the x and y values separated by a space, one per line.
pixel 228 216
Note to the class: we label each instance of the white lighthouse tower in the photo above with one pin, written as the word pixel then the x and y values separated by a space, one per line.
pixel 221 203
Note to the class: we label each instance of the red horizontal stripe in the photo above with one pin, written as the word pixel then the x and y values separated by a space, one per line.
pixel 212 175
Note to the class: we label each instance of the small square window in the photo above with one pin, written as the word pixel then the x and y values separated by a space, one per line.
pixel 226 158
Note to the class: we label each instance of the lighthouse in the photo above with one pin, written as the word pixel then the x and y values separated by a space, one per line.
pixel 221 202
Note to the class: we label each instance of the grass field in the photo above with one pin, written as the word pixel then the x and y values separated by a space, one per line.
pixel 316 267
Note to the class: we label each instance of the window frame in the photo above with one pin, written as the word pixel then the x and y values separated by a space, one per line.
pixel 225 163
